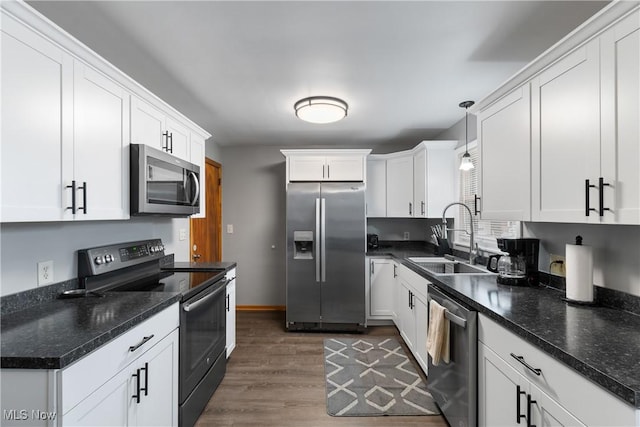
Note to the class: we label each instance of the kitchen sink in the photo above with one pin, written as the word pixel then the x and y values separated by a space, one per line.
pixel 444 266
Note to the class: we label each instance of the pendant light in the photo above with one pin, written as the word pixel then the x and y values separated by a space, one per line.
pixel 321 109
pixel 466 164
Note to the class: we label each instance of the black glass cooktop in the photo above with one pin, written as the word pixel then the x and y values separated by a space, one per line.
pixel 186 283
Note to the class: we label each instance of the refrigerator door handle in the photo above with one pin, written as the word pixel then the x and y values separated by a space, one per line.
pixel 323 232
pixel 317 242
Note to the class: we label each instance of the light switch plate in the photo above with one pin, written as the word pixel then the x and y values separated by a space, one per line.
pixel 229 228
pixel 183 234
pixel 406 235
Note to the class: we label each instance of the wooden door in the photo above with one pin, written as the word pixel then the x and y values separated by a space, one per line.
pixel 206 233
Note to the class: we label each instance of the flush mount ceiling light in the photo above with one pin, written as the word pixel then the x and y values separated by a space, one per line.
pixel 466 163
pixel 321 109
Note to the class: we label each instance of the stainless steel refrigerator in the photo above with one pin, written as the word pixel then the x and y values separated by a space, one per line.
pixel 326 243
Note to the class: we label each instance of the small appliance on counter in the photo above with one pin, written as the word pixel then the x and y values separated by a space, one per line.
pixel 372 241
pixel 520 266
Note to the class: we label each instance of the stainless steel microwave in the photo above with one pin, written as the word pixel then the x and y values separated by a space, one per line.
pixel 162 184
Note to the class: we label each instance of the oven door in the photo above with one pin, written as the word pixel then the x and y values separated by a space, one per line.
pixel 202 335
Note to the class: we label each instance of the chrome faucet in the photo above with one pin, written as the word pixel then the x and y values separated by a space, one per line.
pixel 472 247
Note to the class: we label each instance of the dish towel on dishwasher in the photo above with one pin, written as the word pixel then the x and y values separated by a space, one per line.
pixel 438 334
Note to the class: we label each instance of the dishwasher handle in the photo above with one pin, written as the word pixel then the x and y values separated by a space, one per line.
pixel 452 317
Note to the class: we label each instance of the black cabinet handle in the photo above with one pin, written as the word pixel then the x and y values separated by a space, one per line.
pixel 422 207
pixel 410 208
pixel 530 401
pixel 372 268
pixel 328 172
pixel 165 144
pixel 520 359
pixel 518 415
pixel 602 184
pixel 141 343
pixel 587 187
pixel 83 187
pixel 137 377
pixel 395 274
pixel 146 379
pixel 476 211
pixel 171 146
pixel 228 304
pixel 73 197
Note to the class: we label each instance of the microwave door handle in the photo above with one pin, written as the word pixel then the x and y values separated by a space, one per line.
pixel 197 184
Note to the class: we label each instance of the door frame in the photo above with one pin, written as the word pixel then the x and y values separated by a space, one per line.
pixel 217 215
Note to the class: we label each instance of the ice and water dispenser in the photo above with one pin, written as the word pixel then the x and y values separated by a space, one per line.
pixel 303 245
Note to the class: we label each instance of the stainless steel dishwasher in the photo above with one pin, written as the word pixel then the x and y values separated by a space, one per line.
pixel 453 385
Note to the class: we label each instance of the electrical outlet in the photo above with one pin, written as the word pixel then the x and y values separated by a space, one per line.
pixel 229 228
pixel 557 265
pixel 406 235
pixel 45 272
pixel 183 234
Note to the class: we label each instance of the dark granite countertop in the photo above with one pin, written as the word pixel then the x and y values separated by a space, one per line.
pixel 56 333
pixel 600 343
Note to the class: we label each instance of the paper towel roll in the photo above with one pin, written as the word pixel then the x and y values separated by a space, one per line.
pixel 579 272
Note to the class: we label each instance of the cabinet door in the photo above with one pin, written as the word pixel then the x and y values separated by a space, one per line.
pixel 504 133
pixel 420 184
pixel 407 320
pixel 37 126
pixel 421 315
pixel 566 137
pixel 498 387
pixel 197 158
pixel 306 168
pixel 546 412
pixel 159 402
pixel 179 139
pixel 344 168
pixel 101 126
pixel 231 314
pixel 376 188
pixel 380 288
pixel 147 124
pixel 400 187
pixel 109 405
pixel 620 150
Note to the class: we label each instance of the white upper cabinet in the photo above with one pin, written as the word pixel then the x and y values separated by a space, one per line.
pixel 434 169
pixel 376 194
pixel 504 138
pixel 151 126
pixel 101 155
pixel 400 186
pixel 566 137
pixel 326 165
pixel 620 145
pixel 37 125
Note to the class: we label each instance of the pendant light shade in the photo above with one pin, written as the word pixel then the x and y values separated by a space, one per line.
pixel 465 163
pixel 321 109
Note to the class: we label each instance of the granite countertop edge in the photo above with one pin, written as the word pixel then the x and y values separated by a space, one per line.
pixel 62 361
pixel 614 386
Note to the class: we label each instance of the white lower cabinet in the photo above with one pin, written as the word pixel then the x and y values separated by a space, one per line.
pixel 231 311
pixel 130 381
pixel 520 384
pixel 412 312
pixel 379 286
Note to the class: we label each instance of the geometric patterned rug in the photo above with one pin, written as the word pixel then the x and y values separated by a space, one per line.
pixel 372 376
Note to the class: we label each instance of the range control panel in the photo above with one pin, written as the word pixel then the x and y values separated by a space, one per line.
pixel 105 259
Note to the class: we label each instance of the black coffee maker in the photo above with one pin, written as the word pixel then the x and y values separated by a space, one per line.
pixel 520 267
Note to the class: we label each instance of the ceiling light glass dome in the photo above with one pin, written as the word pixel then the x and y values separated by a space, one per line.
pixel 321 109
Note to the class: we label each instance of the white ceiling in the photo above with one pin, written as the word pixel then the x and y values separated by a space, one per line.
pixel 237 67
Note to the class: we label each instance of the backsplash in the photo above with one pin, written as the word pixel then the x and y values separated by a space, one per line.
pixel 393 229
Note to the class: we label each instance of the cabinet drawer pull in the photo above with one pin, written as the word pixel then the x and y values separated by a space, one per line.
pixel 73 197
pixel 518 415
pixel 526 365
pixel 141 343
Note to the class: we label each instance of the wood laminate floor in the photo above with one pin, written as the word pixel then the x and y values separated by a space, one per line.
pixel 276 379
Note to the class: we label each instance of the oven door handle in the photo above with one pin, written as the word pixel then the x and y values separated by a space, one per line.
pixel 193 305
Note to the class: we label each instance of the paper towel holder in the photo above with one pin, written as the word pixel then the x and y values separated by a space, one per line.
pixel 578 302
